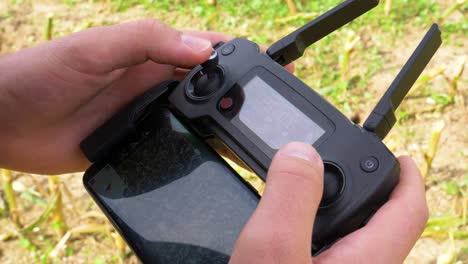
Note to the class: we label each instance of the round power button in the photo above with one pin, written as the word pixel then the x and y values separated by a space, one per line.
pixel 369 164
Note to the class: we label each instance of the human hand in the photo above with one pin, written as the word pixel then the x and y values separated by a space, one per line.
pixel 55 94
pixel 280 230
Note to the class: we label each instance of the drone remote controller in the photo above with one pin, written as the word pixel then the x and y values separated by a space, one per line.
pixel 250 102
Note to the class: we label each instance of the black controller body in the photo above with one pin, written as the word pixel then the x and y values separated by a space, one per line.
pixel 258 106
pixel 250 102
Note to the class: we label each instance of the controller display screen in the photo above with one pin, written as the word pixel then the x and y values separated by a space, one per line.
pixel 273 118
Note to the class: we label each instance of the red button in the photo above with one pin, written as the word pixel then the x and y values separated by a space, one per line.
pixel 226 103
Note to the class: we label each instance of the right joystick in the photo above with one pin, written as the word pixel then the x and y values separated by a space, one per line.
pixel 206 81
pixel 333 184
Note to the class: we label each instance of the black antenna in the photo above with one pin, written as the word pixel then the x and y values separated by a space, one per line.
pixel 291 47
pixel 382 118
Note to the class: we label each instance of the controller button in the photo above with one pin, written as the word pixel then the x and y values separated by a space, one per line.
pixel 226 103
pixel 228 49
pixel 369 164
pixel 333 184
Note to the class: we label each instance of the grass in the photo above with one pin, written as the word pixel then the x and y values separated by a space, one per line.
pixel 345 67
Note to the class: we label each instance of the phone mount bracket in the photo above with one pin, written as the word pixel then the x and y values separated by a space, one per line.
pixel 122 125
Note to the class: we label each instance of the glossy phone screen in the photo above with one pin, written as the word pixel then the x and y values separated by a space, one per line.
pixel 173 199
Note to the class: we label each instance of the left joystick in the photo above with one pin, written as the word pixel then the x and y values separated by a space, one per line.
pixel 208 79
pixel 211 63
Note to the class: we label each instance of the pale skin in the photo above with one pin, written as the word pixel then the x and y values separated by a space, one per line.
pixel 53 95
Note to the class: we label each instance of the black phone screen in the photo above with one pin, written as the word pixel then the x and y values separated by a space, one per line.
pixel 172 198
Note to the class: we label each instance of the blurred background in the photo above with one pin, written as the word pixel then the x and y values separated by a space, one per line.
pixel 51 219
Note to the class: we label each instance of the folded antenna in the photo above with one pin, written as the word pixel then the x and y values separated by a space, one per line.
pixel 382 118
pixel 291 47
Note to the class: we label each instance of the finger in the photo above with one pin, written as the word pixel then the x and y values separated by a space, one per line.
pixel 213 37
pixel 393 230
pixel 104 49
pixel 290 67
pixel 280 230
pixel 216 37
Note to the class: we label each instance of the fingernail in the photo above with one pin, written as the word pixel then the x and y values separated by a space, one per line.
pixel 196 44
pixel 300 150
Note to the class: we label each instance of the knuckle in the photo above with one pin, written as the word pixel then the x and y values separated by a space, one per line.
pixel 167 38
pixel 72 55
pixel 148 23
pixel 155 26
pixel 151 24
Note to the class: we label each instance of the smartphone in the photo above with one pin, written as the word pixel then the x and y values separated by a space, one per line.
pixel 171 197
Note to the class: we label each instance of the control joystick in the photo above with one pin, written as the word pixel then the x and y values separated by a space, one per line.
pixel 333 184
pixel 207 80
pixel 211 63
